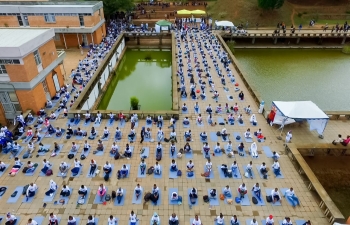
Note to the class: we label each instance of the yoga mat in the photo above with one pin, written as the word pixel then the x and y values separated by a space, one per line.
pixel 267 151
pixel 39 219
pixel 188 194
pixel 100 153
pixel 279 176
pixel 228 98
pixel 20 149
pixel 121 124
pixel 27 139
pixel 243 154
pixel 244 201
pixel 150 222
pixel 19 190
pixel 65 174
pixel 74 153
pixel 59 137
pixel 268 193
pixel 252 155
pixel 189 155
pixel 238 173
pixel 109 124
pixel 111 173
pixel 159 202
pixel 300 222
pixel 6 166
pixel 32 173
pixel 44 153
pixel 283 191
pixel 211 176
pixel 184 111
pixel 139 200
pixel 221 173
pixel 97 197
pixel 221 120
pixel 29 199
pixel 248 140
pixel 170 191
pixel 99 124
pixel 86 153
pixel 149 125
pixel 129 168
pixel 213 137
pixel 217 153
pixel 172 174
pixel 158 176
pixel 263 221
pixel 66 199
pixel 87 124
pixel 134 139
pixel 222 190
pixel 32 122
pixel 175 153
pixel 105 139
pixel 197 112
pixel 213 201
pixel 200 124
pixel 96 220
pixel 77 137
pixel 145 153
pixel 139 172
pixel 88 172
pixel 240 124
pixel 41 174
pixel 244 169
pixel 186 126
pixel 79 173
pixel 261 201
pixel 235 134
pixel 50 198
pixel 118 140
pixel 260 174
pixel 122 200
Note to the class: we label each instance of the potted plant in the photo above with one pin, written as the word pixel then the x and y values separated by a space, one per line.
pixel 134 102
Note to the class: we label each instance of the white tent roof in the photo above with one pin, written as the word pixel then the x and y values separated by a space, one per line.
pixel 224 23
pixel 300 110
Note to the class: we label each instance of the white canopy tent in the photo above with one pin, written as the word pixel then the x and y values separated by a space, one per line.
pixel 224 24
pixel 290 112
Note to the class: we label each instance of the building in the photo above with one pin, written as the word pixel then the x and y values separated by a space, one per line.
pixel 30 71
pixel 75 23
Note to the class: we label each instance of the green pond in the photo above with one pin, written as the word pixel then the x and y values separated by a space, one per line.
pixel 318 75
pixel 145 74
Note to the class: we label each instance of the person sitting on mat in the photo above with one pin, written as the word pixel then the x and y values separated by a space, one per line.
pixel 229 147
pixel 224 134
pixel 208 166
pixel 220 219
pixel 275 194
pixel 101 191
pixel 263 170
pixel 53 219
pixel 174 196
pixel 2 166
pixel 10 219
pixel 187 148
pixel 87 117
pixel 107 168
pixel 131 135
pixel 173 136
pixel 65 192
pixel 253 120
pixel 118 134
pixel 287 221
pixel 31 190
pixel 155 219
pixel 184 107
pixel 76 168
pixel 53 116
pixel 269 220
pixel 290 195
pixel 32 222
pixel 248 110
pixel 112 220
pixel 206 149
pixel 231 119
pixel 127 151
pixel 217 148
pixel 63 168
pixel 186 121
pixel 227 191
pixel 234 168
pixel 199 119
pixel 74 147
pixel 254 150
pixel 173 165
pixel 148 120
pixel 53 187
pixel 235 107
pixel 257 191
pixel 148 133
pixel 138 191
pixel 242 190
pixel 120 194
pixel 100 146
pixel 196 107
pixel 173 220
pixel 259 134
pixel 204 136
pixel 249 169
pixel 93 166
pixel 240 118
pixel 71 221
pixel 172 149
pixel 276 168
pixel 159 148
pixel 46 165
pixel 209 109
pixel 210 120
pixel 114 148
pixel 234 220
pixel 275 156
pixel 154 194
pixel 193 193
pixel 196 221
pixel 83 191
pixel 123 172
pixel 31 167
pixel 91 220
pixel 212 193
pixel 157 169
pixel 160 134
pixel 247 134
pixel 188 135
pixel 105 133
pixel 190 166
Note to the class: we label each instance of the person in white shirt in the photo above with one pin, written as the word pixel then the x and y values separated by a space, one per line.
pixel 155 194
pixel 53 187
pixel 120 194
pixel 196 221
pixel 254 150
pixel 118 134
pixel 206 149
pixel 275 194
pixel 76 168
pixel 160 121
pixel 212 193
pixel 10 219
pixel 149 120
pixel 234 168
pixel 83 191
pixel 32 222
pixel 107 168
pixel 269 220
pixel 87 117
pixel 257 191
pixel 234 220
pixel 91 220
pixel 254 222
pixel 63 168
pixel 157 169
pixel 217 148
pixel 188 135
pixel 31 147
pixel 186 121
pixel 276 168
pixel 263 170
pixel 209 165
pixel 174 196
pixel 31 190
pixel 138 191
pixel 2 166
pixel 86 146
pixel 98 117
pixel 249 169
pixel 155 219
pixel 290 195
pixel 190 166
pixel 229 147
pixel 173 165
pixel 112 220
pixel 93 166
pixel 275 156
pixel 114 148
pixel 242 190
pixel 53 219
pixel 133 218
pixel 227 191
pixel 287 221
pixel 160 134
pixel 199 119
pixel 101 191
pixel 65 192
pixel 289 136
pixel 173 220
pixel 71 221
pixel 247 134
pixel 204 136
pixel 105 133
pixel 220 219
pixel 123 172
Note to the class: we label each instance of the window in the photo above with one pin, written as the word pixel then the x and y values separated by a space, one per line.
pixel 13 96
pixel 37 57
pixel 10 61
pixel 50 18
pixel 57 37
pixel 3 69
pixel 81 20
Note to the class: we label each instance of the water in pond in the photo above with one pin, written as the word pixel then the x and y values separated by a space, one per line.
pixel 145 74
pixel 299 74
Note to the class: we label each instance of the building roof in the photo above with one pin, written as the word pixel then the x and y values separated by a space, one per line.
pixel 16 43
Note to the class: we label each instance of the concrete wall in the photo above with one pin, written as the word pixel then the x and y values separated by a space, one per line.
pixel 8 21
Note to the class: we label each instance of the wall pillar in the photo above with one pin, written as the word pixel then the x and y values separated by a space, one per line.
pixel 138 40
pixel 298 40
pixel 253 41
pixel 275 41
pixel 64 40
pixel 344 39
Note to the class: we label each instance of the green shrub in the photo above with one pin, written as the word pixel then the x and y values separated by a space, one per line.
pixel 134 102
pixel 222 14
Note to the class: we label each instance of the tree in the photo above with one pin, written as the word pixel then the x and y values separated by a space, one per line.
pixel 270 4
pixel 112 6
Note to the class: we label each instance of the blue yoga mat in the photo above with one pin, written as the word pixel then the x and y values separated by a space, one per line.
pixel 238 174
pixel 86 153
pixel 150 222
pixel 33 121
pixel 159 202
pixel 149 125
pixel 139 172
pixel 219 153
pixel 66 199
pixel 188 194
pixel 139 200
pixel 39 219
pixel 64 175
pixel 267 151
pixel 197 112
pixel 122 201
pixel 213 137
pixel 96 220
pixel 222 190
pixel 80 172
pixel 193 177
pixel 97 198
pixel 74 153
pixel 213 201
pixel 248 140
pixel 87 124
pixel 121 124
pixel 300 222
pixel 200 124
pixel 19 193
pixel 283 191
pixel 280 176
pixel 99 124
pixel 188 155
pixel 118 140
pixel 186 126
pixel 29 199
pixel 211 176
pixel 6 166
pixel 175 153
pixel 50 198
pixel 235 134
pixel 221 173
pixel 170 191
pixel 172 174
pixel 221 120
pixel 241 153
pixel 263 221
pixel 111 173
pixel 77 137
pixel 88 172
pixel 105 139
pixel 268 192
pixel 44 153
pixel 20 149
pixel 109 124
pixel 252 155
pixel 244 201
pixel 145 153
pixel 258 169
pixel 184 111
pixel 228 98
pixel 31 173
pixel 100 153
pixel 261 200
pixel 203 141
pixel 244 169
pixel 59 137
pixel 240 124
pixel 158 176
pixel 129 167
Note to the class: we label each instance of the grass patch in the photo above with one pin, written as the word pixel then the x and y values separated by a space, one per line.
pixel 347 12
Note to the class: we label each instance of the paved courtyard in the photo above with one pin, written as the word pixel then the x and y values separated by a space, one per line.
pixel 308 210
